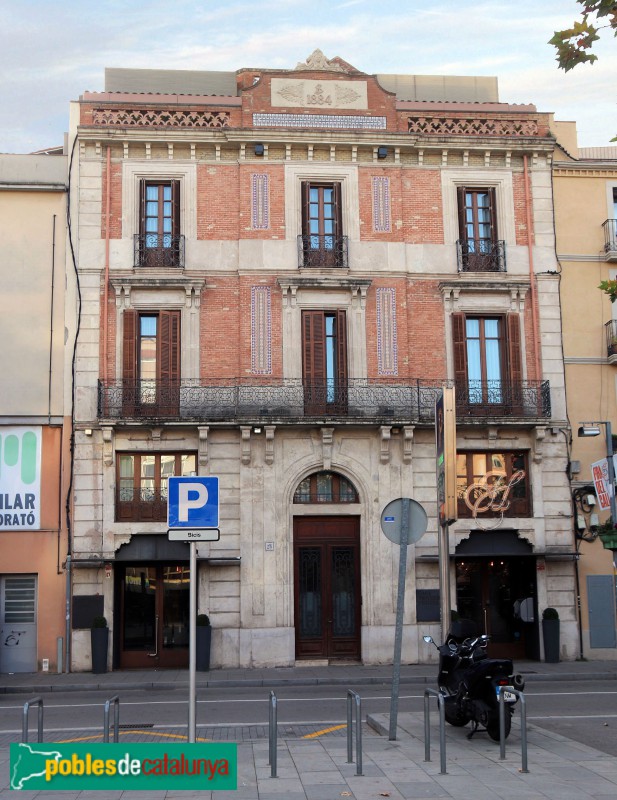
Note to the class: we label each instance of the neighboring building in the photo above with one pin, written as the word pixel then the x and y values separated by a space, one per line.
pixel 585 181
pixel 34 421
pixel 279 270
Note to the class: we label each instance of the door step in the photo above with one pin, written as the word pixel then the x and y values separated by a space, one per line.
pixel 312 662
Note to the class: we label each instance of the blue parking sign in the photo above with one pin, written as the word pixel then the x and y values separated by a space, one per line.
pixel 193 502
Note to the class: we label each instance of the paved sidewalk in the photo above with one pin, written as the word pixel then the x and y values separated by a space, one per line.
pixel 317 768
pixel 349 675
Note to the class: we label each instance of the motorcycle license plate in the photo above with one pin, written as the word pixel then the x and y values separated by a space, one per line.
pixel 508 696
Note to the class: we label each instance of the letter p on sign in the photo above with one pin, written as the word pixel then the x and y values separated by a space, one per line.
pixel 193 502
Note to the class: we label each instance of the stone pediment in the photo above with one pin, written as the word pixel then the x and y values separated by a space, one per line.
pixel 317 61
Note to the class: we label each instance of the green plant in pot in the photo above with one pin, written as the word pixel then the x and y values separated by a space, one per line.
pixel 99 642
pixel 550 635
pixel 203 642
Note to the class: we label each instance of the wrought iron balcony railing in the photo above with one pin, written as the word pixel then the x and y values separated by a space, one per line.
pixel 610 330
pixel 610 237
pixel 480 255
pixel 140 504
pixel 158 250
pixel 322 251
pixel 276 400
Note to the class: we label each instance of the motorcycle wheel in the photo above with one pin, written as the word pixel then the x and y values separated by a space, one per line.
pixel 492 724
pixel 453 714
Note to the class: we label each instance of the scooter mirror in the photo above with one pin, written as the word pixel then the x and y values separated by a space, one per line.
pixel 428 639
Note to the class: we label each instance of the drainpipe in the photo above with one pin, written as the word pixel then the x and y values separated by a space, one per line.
pixel 51 314
pixel 532 278
pixel 106 287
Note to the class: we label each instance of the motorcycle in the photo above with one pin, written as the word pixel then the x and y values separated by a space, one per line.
pixel 471 681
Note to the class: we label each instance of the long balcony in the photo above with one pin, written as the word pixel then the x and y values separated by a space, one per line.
pixel 158 250
pixel 480 255
pixel 610 239
pixel 323 251
pixel 239 401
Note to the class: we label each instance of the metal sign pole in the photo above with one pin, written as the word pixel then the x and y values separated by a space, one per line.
pixel 192 638
pixel 444 579
pixel 400 608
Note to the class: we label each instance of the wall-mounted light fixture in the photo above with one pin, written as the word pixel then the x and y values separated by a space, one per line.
pixel 589 429
pixel 257 429
pixel 382 151
pixel 259 149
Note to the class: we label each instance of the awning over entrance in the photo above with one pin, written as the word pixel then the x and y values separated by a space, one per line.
pixel 151 547
pixel 494 543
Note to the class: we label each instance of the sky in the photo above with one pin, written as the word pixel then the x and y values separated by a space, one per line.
pixel 50 53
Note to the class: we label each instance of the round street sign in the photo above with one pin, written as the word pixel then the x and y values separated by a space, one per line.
pixel 392 518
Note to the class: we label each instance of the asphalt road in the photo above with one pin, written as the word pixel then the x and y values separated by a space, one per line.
pixel 585 711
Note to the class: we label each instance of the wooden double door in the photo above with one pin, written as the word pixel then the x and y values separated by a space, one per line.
pixel 327 597
pixel 154 615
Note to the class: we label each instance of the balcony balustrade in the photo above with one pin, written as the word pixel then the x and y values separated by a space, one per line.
pixel 610 330
pixel 610 239
pixel 158 250
pixel 480 255
pixel 323 251
pixel 279 401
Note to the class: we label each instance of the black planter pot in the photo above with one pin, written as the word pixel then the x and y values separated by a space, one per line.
pixel 204 641
pixel 550 634
pixel 99 639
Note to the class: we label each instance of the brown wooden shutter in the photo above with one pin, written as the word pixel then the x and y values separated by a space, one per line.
pixel 129 346
pixel 336 199
pixel 168 363
pixel 314 361
pixel 175 199
pixel 130 321
pixel 515 365
pixel 341 348
pixel 492 207
pixel 306 192
pixel 459 349
pixel 462 227
pixel 142 208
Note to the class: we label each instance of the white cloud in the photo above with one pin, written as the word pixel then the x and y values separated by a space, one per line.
pixel 54 53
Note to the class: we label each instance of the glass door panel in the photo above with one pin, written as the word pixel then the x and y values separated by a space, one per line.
pixel 140 619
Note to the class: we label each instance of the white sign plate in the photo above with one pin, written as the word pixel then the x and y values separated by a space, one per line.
pixel 200 535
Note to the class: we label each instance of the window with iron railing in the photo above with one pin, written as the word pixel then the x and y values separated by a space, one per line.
pixel 141 483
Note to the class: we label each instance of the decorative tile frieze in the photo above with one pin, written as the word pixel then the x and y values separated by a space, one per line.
pixel 260 202
pixel 387 352
pixel 474 126
pixel 261 330
pixel 149 117
pixel 381 205
pixel 338 121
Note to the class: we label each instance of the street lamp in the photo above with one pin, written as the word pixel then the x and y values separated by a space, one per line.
pixel 593 429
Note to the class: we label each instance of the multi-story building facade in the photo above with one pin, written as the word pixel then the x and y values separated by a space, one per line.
pixel 585 181
pixel 34 414
pixel 279 270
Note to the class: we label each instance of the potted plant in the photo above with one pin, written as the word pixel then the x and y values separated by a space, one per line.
pixel 550 635
pixel 203 642
pixel 99 640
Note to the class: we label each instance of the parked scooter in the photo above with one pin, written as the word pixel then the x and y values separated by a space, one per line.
pixel 471 681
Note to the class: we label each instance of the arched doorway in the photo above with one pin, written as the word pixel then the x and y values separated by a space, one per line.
pixel 327 597
pixel 496 588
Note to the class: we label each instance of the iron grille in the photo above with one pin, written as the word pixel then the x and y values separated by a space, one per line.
pixel 236 400
pixel 610 235
pixel 480 255
pixel 158 250
pixel 323 251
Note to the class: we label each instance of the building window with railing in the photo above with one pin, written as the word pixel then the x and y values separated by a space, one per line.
pixel 322 243
pixel 159 243
pixel 141 483
pixel 478 248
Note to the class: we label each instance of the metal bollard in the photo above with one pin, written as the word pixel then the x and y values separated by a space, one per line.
pixel 502 727
pixel 272 735
pixel 24 726
pixel 354 697
pixel 442 727
pixel 116 701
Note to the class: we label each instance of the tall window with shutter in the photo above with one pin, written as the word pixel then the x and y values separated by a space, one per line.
pixel 160 243
pixel 478 230
pixel 487 363
pixel 151 363
pixel 324 347
pixel 322 240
